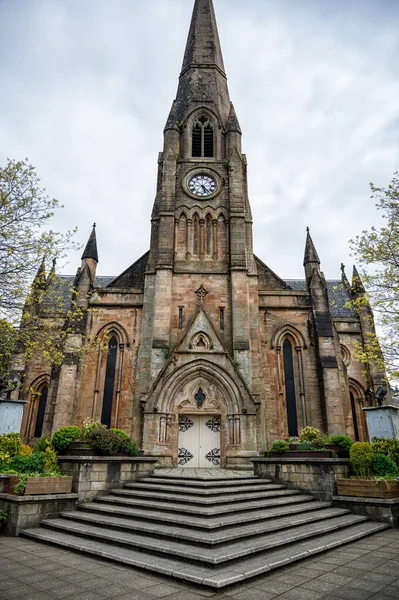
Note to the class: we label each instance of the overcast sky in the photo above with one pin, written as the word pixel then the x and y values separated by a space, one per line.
pixel 86 87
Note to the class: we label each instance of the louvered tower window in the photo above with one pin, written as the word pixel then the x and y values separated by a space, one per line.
pixel 203 139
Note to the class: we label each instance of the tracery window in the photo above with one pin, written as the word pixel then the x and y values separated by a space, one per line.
pixel 202 139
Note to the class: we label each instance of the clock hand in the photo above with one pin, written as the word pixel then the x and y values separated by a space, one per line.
pixel 204 188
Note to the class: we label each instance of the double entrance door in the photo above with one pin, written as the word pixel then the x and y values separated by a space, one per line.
pixel 199 441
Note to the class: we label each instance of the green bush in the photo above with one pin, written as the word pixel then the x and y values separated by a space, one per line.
pixel 88 426
pixel 388 447
pixel 36 461
pixel 50 464
pixel 279 446
pixel 28 466
pixel 10 444
pixel 343 441
pixel 119 432
pixel 108 443
pixel 65 436
pixel 20 464
pixel 42 444
pixel 310 434
pixel 361 459
pixel 383 466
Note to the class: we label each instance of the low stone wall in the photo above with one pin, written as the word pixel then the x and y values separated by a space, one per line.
pixel 29 511
pixel 386 511
pixel 95 475
pixel 314 475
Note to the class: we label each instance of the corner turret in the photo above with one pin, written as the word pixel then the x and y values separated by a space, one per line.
pixel 311 259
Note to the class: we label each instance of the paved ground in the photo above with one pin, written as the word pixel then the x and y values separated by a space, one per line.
pixel 365 569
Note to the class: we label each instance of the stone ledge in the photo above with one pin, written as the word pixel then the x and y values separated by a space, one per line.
pixel 322 461
pixel 116 459
pixel 370 501
pixel 378 509
pixel 15 499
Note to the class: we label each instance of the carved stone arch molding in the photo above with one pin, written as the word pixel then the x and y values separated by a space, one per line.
pixel 201 342
pixel 113 328
pixel 287 331
pixel 236 396
pixel 31 409
pixel 346 355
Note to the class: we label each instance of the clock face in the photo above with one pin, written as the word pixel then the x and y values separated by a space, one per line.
pixel 202 185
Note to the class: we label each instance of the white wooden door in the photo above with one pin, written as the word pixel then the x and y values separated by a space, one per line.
pixel 199 441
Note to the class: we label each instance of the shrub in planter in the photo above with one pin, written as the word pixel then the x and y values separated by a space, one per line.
pixel 10 444
pixel 310 434
pixel 387 447
pixel 65 436
pixel 108 443
pixel 42 444
pixel 343 441
pixel 361 459
pixel 119 432
pixel 25 450
pixel 383 466
pixel 279 446
pixel 88 426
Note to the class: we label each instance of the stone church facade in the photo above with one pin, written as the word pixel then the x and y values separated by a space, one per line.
pixel 205 355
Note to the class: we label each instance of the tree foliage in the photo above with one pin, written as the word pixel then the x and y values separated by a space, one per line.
pixel 25 238
pixel 377 252
pixel 25 214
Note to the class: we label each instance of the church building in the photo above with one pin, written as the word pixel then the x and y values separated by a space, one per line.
pixel 205 355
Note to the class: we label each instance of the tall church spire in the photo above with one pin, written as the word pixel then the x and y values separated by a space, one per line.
pixel 91 247
pixel 203 79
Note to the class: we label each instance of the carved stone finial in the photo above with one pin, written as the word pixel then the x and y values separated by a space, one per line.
pixel 307 229
pixel 342 267
pixel 202 293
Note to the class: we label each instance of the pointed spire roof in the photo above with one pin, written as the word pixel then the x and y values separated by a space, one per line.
pixel 344 277
pixel 172 122
pixel 203 45
pixel 310 251
pixel 39 281
pixel 203 79
pixel 91 247
pixel 357 283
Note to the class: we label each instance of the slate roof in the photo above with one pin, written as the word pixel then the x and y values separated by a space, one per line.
pixel 338 296
pixel 59 295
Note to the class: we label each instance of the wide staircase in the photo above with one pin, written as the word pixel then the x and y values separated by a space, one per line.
pixel 214 528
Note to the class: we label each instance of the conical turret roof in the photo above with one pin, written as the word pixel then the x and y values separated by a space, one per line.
pixel 91 247
pixel 310 251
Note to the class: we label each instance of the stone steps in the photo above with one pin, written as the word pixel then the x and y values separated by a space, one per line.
pixel 224 535
pixel 219 577
pixel 291 506
pixel 119 497
pixel 196 499
pixel 213 531
pixel 202 491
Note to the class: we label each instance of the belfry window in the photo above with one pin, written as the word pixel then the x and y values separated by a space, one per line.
pixel 109 383
pixel 202 142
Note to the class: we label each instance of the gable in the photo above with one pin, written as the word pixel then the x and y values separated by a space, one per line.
pixel 133 277
pixel 200 336
pixel 268 280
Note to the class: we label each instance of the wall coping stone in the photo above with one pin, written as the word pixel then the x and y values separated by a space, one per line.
pixel 322 461
pixel 369 501
pixel 14 499
pixel 120 459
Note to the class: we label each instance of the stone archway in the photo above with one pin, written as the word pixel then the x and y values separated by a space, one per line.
pixel 223 398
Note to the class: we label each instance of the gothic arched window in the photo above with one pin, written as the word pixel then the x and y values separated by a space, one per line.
pixel 195 237
pixel 208 236
pixel 41 411
pixel 290 395
pixel 202 140
pixel 109 383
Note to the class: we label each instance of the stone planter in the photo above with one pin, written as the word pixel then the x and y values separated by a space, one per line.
pixel 367 488
pixel 42 485
pixel 301 454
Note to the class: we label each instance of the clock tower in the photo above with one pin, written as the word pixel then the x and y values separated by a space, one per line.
pixel 201 232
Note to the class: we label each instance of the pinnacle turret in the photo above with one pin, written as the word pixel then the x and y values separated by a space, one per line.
pixel 39 281
pixel 311 255
pixel 91 247
pixel 357 283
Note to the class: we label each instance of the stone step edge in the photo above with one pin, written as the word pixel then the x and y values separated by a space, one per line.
pixel 188 535
pixel 299 506
pixel 203 491
pixel 191 553
pixel 205 483
pixel 197 495
pixel 181 572
pixel 194 500
pixel 202 511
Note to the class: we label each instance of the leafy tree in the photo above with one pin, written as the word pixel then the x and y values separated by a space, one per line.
pixel 25 214
pixel 25 238
pixel 377 252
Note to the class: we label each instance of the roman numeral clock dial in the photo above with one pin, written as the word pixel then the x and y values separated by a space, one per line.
pixel 202 185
